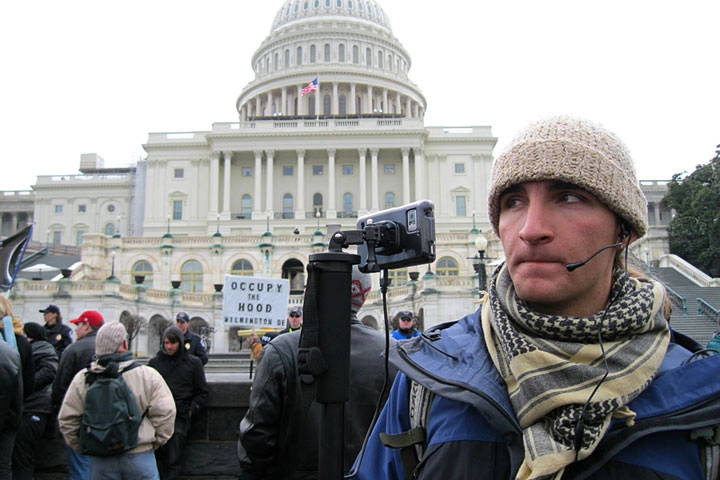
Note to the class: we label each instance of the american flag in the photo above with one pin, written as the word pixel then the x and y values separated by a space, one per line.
pixel 310 87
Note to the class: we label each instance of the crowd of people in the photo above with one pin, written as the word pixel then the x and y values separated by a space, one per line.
pixel 568 369
pixel 45 374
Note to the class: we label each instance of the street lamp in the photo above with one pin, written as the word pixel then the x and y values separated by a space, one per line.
pixel 112 271
pixel 474 229
pixel 317 216
pixel 481 244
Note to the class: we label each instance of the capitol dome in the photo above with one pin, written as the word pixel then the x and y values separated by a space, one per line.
pixel 348 46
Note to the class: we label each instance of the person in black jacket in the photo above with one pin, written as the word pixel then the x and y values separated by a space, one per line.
pixel 38 406
pixel 59 335
pixel 76 357
pixel 278 441
pixel 191 341
pixel 185 376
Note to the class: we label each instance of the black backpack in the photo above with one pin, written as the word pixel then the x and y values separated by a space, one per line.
pixel 112 419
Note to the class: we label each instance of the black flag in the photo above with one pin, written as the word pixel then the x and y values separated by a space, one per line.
pixel 12 250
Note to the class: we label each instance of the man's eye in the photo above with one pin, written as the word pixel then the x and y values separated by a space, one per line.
pixel 569 197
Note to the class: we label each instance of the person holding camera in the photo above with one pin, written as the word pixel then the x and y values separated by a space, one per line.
pixel 569 368
pixel 279 433
pixel 406 326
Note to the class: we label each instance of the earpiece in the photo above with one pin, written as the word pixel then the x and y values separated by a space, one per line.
pixel 624 231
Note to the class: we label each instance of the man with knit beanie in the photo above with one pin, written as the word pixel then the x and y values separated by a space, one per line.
pixel 153 398
pixel 185 376
pixel 569 368
pixel 279 434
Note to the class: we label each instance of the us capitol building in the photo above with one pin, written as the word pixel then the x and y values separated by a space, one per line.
pixel 259 195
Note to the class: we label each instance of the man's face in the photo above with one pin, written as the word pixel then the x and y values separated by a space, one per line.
pixel 295 320
pixel 544 226
pixel 81 330
pixel 182 326
pixel 50 318
pixel 170 347
pixel 406 323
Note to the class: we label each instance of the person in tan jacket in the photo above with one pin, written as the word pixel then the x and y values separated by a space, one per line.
pixel 151 394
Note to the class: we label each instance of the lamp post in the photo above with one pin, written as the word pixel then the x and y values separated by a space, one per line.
pixel 317 216
pixel 112 271
pixel 481 244
pixel 474 229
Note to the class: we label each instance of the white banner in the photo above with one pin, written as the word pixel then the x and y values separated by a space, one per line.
pixel 255 302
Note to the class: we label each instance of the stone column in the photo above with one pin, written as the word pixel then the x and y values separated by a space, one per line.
pixel 419 173
pixel 368 99
pixel 335 110
pixel 300 203
pixel 362 206
pixel 374 180
pixel 258 105
pixel 406 174
pixel 226 185
pixel 301 110
pixel 398 103
pixel 408 107
pixel 269 185
pixel 351 100
pixel 385 107
pixel 268 104
pixel 283 99
pixel 214 183
pixel 331 210
pixel 257 195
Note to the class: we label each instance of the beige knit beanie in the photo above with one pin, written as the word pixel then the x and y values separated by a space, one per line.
pixel 109 338
pixel 577 151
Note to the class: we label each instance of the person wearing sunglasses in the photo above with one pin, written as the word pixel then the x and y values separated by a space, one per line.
pixel 406 326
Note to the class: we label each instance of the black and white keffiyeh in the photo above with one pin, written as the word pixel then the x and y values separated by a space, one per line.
pixel 551 365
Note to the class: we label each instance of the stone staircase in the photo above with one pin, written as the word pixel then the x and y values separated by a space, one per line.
pixel 695 308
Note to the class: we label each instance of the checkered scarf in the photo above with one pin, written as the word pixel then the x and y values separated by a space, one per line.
pixel 551 365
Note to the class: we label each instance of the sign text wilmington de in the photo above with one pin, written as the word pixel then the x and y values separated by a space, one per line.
pixel 255 302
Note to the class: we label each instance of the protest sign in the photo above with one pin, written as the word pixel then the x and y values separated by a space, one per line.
pixel 255 302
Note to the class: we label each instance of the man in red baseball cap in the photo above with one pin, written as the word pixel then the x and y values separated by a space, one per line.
pixel 75 358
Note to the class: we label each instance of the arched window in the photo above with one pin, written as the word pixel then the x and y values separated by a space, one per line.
pixel 143 268
pixel 242 267
pixel 326 53
pixel 356 54
pixel 326 105
pixel 380 59
pixel 287 58
pixel 342 105
pixel 191 276
pixel 313 53
pixel 295 273
pixel 298 57
pixel 277 61
pixel 447 266
pixel 287 206
pixel 348 205
pixel 398 276
pixel 317 203
pixel 110 229
pixel 368 57
pixel 341 53
pixel 246 206
pixel 389 200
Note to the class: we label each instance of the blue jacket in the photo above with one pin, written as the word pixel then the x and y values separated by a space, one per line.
pixel 472 431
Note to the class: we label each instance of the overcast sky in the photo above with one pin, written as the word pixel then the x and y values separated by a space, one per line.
pixel 82 76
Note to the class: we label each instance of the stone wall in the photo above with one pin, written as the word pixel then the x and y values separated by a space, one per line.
pixel 211 449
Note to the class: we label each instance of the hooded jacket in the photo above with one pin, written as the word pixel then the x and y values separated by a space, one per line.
pixel 184 375
pixel 472 428
pixel 46 365
pixel 151 393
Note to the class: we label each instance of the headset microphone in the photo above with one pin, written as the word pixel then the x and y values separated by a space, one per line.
pixel 572 266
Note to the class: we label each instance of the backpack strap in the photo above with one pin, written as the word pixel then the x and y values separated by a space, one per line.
pixel 709 441
pixel 413 442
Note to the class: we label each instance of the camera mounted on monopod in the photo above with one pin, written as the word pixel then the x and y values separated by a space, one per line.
pixel 394 238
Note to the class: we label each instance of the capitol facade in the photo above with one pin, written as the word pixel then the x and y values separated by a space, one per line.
pixel 330 129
